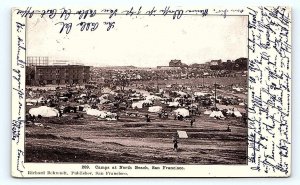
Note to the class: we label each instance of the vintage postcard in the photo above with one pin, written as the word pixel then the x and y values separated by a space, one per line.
pixel 151 92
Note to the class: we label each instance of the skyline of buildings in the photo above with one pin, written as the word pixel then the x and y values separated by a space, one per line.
pixel 45 60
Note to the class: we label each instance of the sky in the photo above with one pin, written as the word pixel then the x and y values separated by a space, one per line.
pixel 141 41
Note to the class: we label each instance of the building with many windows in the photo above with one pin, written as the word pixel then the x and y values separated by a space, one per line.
pixel 57 74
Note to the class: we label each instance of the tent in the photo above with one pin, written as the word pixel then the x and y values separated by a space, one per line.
pixel 199 94
pixel 229 112
pixel 138 77
pixel 183 112
pixel 173 104
pixel 207 112
pixel 44 111
pixel 95 112
pixel 237 114
pixel 29 100
pixel 181 93
pixel 216 114
pixel 41 100
pixel 140 104
pixel 155 109
pixel 182 134
pixel 153 97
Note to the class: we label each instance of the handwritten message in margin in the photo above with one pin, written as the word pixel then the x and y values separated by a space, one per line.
pixel 269 109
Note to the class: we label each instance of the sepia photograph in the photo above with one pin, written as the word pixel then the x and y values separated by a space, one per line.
pixel 146 92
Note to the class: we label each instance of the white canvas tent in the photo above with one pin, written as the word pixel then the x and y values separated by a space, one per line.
pixel 237 114
pixel 139 104
pixel 216 114
pixel 44 111
pixel 182 134
pixel 199 94
pixel 183 112
pixel 29 100
pixel 181 93
pixel 229 112
pixel 207 112
pixel 95 112
pixel 155 109
pixel 174 104
pixel 41 100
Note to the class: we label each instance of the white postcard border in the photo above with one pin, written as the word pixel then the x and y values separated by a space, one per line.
pixel 264 61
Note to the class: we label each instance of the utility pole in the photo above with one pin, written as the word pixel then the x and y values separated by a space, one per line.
pixel 215 96
pixel 157 82
pixel 203 81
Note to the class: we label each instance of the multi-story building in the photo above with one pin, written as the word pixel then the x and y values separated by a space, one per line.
pixel 57 74
pixel 175 63
pixel 215 62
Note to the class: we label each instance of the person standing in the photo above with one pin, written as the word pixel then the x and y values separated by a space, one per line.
pixel 175 141
pixel 192 121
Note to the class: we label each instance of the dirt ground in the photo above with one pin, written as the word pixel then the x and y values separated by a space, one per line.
pixel 133 140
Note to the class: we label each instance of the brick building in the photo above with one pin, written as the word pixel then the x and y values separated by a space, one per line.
pixel 57 74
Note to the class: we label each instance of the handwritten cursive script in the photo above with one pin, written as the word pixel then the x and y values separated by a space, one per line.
pixel 269 89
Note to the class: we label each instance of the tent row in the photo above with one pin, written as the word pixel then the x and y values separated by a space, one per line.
pixel 45 111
